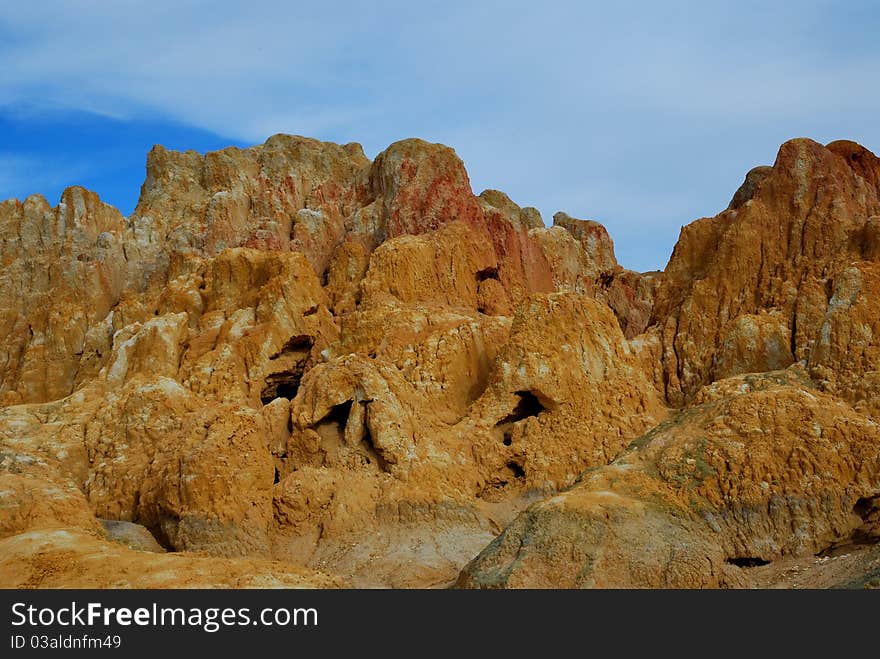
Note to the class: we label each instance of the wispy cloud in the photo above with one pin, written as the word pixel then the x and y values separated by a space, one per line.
pixel 671 101
pixel 236 68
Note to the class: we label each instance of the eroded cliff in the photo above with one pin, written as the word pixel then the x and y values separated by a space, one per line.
pixel 292 365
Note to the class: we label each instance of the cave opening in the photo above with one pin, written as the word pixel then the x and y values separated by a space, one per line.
pixel 338 414
pixel 283 384
pixel 487 273
pixel 516 469
pixel 287 390
pixel 529 405
pixel 868 510
pixel 747 561
pixel 866 507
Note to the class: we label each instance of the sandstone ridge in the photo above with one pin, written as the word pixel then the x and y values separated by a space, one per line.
pixel 294 366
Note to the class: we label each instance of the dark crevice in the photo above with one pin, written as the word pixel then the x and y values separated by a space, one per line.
pixel 338 414
pixel 516 469
pixel 747 561
pixel 866 506
pixel 311 311
pixel 508 439
pixel 868 510
pixel 529 405
pixel 287 390
pixel 277 476
pixel 336 421
pixel 487 273
pixel 300 343
pixel 283 384
pixel 373 453
pixel 163 528
pixel 829 289
pixel 606 279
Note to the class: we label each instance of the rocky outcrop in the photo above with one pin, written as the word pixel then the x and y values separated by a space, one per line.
pixel 593 237
pixel 291 361
pixel 845 359
pixel 323 201
pixel 63 272
pixel 581 257
pixel 289 193
pixel 758 469
pixel 789 233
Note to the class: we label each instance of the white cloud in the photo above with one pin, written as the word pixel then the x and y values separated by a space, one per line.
pixel 537 97
pixel 236 68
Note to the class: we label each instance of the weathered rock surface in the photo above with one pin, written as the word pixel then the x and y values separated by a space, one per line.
pixel 133 536
pixel 762 468
pixel 790 232
pixel 297 362
pixel 59 558
pixel 63 272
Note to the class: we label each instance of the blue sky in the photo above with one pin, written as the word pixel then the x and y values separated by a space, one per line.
pixel 644 116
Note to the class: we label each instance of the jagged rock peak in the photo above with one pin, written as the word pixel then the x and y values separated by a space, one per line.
pixel 291 360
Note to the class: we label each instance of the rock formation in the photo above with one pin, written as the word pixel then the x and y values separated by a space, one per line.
pixel 294 366
pixel 790 233
pixel 757 469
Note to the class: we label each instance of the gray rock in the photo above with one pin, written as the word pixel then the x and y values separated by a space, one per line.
pixel 133 536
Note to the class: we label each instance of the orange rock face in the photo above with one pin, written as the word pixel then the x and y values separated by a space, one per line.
pixel 758 469
pixel 790 232
pixel 63 272
pixel 294 366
